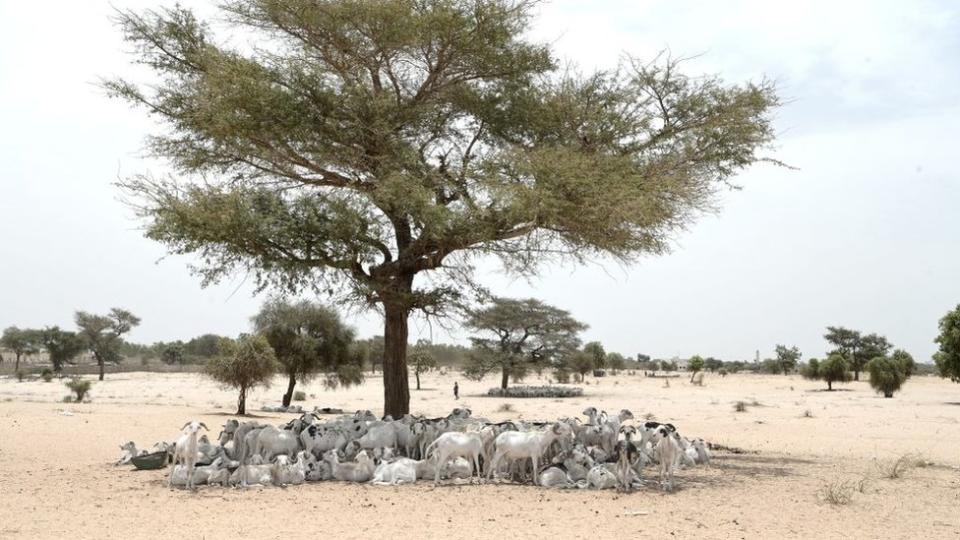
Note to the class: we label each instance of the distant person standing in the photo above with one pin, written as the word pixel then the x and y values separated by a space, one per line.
pixel 456 390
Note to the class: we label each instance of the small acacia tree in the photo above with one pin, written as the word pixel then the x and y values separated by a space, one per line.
pixel 887 375
pixel 101 334
pixel 354 146
pixel 947 357
pixel 833 369
pixel 21 341
pixel 421 359
pixel 308 338
pixel 616 362
pixel 787 358
pixel 595 349
pixel 581 363
pixel 243 364
pixel 695 365
pixel 811 370
pixel 517 335
pixel 62 346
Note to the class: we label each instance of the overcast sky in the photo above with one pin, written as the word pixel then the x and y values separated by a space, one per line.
pixel 865 233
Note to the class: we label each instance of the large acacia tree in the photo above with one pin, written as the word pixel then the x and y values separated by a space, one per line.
pixel 351 146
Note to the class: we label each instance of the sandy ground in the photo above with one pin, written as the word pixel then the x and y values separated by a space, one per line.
pixel 57 479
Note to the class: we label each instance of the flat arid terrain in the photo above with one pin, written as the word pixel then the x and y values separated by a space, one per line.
pixel 57 478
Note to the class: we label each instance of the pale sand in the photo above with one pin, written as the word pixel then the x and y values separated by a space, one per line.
pixel 57 479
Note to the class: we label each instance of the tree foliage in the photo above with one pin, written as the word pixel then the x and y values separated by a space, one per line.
pixel 101 334
pixel 515 335
pixel 947 357
pixel 834 369
pixel 616 362
pixel 359 144
pixel 62 346
pixel 243 364
pixel 599 354
pixel 421 359
pixel 21 342
pixel 887 375
pixel 308 338
pixel 787 358
pixel 580 362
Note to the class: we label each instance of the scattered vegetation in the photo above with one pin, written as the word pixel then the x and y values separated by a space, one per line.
pixel 299 395
pixel 536 392
pixel 80 387
pixel 807 414
pixel 896 468
pixel 740 406
pixel 46 375
pixel 20 376
pixel 837 492
pixel 505 407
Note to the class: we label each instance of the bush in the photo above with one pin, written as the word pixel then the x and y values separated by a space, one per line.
pixel 833 369
pixel 740 406
pixel 46 374
pixel 537 392
pixel 20 376
pixel 837 492
pixel 299 395
pixel 506 407
pixel 887 375
pixel 562 376
pixel 79 387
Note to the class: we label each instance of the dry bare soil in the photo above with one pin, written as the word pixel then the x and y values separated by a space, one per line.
pixel 57 479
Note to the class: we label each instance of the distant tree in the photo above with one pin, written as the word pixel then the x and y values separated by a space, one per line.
pixel 243 364
pixel 887 375
pixel 205 346
pixel 870 346
pixel 21 341
pixel 834 369
pixel 173 353
pixel 787 358
pixel 947 357
pixel 308 338
pixel 771 366
pixel 643 357
pixel 711 364
pixel 580 362
pixel 811 370
pixel 668 365
pixel 101 334
pixel 421 359
pixel 62 346
pixel 845 341
pixel 596 350
pixel 905 359
pixel 695 365
pixel 517 335
pixel 616 362
pixel 374 351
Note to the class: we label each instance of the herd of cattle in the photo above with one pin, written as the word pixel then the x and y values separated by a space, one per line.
pixel 602 452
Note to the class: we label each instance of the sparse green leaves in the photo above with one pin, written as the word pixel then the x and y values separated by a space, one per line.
pixel 947 358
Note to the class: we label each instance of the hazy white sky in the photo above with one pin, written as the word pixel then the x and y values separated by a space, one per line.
pixel 865 234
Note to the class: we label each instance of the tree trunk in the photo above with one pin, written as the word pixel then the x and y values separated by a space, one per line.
pixel 416 373
pixel 16 366
pixel 396 388
pixel 289 395
pixel 888 394
pixel 504 379
pixel 242 401
pixel 829 385
pixel 100 363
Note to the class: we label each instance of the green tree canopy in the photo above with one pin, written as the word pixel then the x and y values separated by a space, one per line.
pixel 871 346
pixel 516 335
pixel 905 359
pixel 787 358
pixel 712 364
pixel 243 364
pixel 422 359
pixel 616 362
pixel 596 350
pixel 101 334
pixel 21 341
pixel 308 338
pixel 834 369
pixel 580 362
pixel 361 144
pixel 947 356
pixel 173 353
pixel 62 346
pixel 887 375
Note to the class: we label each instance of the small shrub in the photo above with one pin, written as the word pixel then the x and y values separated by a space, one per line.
pixel 506 407
pixel 807 414
pixel 20 376
pixel 299 395
pixel 837 492
pixel 46 375
pixel 722 372
pixel 80 387
pixel 67 399
pixel 896 468
pixel 740 406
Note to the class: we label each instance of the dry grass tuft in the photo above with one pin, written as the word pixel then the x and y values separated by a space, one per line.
pixel 506 407
pixel 837 492
pixel 740 406
pixel 896 468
